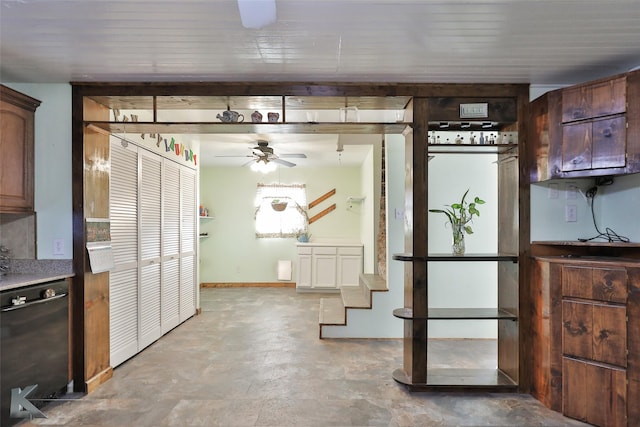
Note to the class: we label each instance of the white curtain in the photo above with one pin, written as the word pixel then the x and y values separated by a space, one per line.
pixel 286 223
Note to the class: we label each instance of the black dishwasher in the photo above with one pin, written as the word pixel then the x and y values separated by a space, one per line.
pixel 34 324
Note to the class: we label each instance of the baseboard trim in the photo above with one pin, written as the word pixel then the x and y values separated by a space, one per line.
pixel 98 379
pixel 249 285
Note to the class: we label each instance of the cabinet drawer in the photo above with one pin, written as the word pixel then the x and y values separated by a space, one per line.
pixel 324 250
pixel 593 393
pixel 595 331
pixel 602 284
pixel 350 251
pixel 304 250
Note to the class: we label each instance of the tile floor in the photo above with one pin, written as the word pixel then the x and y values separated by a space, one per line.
pixel 253 358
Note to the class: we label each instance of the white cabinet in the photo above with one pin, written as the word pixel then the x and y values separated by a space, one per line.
pixel 328 266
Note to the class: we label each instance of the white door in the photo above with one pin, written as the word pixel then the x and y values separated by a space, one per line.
pixel 150 226
pixel 123 280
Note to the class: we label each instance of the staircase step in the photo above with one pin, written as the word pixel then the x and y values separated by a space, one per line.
pixel 374 282
pixel 353 297
pixel 332 311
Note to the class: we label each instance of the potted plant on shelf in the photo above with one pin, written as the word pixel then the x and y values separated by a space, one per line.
pixel 459 216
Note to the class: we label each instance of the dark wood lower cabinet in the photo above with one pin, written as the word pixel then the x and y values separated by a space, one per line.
pixel 594 393
pixel 586 338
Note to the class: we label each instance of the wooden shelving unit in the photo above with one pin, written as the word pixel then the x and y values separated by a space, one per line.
pixel 418 372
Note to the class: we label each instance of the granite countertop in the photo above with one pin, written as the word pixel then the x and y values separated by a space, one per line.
pixel 32 272
pixel 20 280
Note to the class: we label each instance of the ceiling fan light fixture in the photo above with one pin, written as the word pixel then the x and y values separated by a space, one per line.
pixel 263 166
pixel 256 14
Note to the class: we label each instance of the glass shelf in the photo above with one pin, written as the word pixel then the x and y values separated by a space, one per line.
pixel 449 257
pixel 457 314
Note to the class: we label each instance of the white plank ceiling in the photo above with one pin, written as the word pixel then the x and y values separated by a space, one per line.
pixel 544 42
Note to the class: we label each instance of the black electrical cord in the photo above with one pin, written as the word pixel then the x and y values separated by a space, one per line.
pixel 609 235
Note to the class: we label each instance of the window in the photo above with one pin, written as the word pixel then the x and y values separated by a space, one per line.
pixel 289 221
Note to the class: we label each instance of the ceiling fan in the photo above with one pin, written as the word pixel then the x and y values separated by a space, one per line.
pixel 262 153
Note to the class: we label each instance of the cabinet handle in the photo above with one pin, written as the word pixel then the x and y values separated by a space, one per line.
pixel 606 132
pixel 578 113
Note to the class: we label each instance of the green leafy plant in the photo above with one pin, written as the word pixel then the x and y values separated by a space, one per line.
pixel 460 214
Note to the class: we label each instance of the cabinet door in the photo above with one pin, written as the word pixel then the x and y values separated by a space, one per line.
pixel 576 146
pixel 349 268
pixel 609 143
pixel 324 271
pixel 610 334
pixel 304 271
pixel 16 161
pixel 594 394
pixel 576 103
pixel 577 323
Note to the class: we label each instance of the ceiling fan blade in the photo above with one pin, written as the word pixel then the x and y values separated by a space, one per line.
pixel 233 155
pixel 283 162
pixel 249 162
pixel 294 155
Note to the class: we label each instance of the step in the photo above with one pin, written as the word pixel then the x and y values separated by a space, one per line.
pixel 374 282
pixel 354 297
pixel 332 311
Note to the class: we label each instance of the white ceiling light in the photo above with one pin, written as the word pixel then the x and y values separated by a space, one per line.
pixel 263 166
pixel 256 14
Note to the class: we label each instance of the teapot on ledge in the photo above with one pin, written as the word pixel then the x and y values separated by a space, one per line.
pixel 230 116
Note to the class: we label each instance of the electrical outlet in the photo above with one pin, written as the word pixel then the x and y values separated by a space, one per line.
pixel 58 246
pixel 570 213
pixel 572 191
pixel 398 213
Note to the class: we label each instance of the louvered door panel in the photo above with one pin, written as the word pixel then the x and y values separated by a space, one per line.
pixel 150 204
pixel 170 293
pixel 187 287
pixel 123 204
pixel 188 208
pixel 150 238
pixel 123 280
pixel 149 305
pixel 123 315
pixel 171 209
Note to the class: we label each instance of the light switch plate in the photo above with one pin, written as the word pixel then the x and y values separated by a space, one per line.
pixel 570 213
pixel 58 246
pixel 553 191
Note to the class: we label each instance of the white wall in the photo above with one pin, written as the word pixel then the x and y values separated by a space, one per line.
pixel 52 166
pixel 463 284
pixel 369 207
pixel 379 322
pixel 616 207
pixel 232 253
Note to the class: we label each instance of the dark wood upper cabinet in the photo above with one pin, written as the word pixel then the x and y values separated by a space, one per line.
pixel 587 130
pixel 17 113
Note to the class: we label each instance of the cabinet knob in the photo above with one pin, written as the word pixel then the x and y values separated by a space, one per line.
pixel 606 132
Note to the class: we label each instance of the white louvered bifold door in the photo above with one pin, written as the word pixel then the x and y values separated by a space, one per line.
pixel 170 246
pixel 150 202
pixel 187 243
pixel 123 280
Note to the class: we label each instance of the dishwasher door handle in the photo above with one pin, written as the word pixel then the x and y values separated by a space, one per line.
pixel 32 303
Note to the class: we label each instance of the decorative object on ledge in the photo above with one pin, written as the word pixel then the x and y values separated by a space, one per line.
pixel 459 215
pixel 279 205
pixel 303 236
